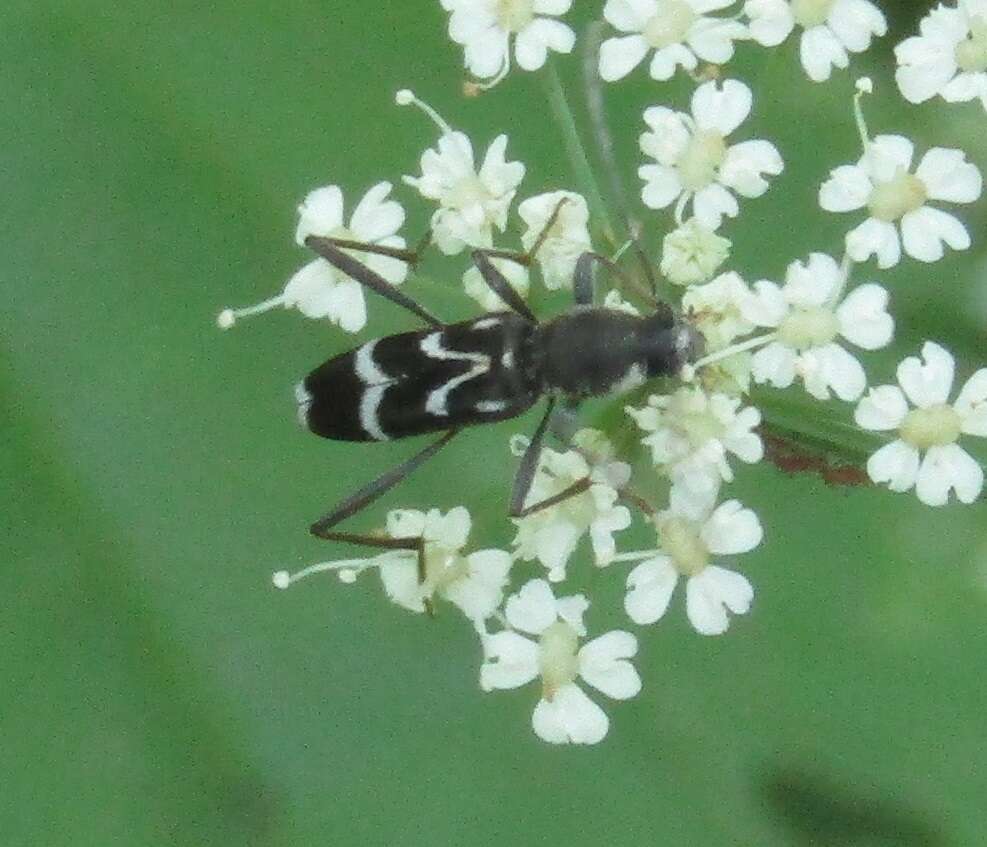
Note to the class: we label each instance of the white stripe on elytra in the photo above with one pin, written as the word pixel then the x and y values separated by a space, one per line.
pixel 486 323
pixel 376 382
pixel 491 406
pixel 438 400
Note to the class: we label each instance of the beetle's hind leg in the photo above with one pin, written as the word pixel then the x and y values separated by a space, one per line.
pixel 363 497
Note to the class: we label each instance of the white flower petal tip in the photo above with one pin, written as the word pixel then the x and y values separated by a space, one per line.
pixel 226 319
pixel 864 85
pixel 714 593
pixel 926 455
pixel 281 579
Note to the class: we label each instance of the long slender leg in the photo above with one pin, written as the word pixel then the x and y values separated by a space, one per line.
pixel 500 286
pixel 526 257
pixel 526 475
pixel 358 271
pixel 583 281
pixel 372 490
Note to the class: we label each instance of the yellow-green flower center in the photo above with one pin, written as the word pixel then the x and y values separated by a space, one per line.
pixel 468 191
pixel 971 54
pixel 893 199
pixel 514 15
pixel 810 327
pixel 810 13
pixel 670 24
pixel 935 426
pixel 680 539
pixel 557 659
pixel 443 566
pixel 701 159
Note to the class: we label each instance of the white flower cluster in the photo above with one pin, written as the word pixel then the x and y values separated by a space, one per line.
pixel 810 327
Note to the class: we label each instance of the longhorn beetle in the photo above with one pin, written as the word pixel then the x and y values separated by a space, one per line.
pixel 446 377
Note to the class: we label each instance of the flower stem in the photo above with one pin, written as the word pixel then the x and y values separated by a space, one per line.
pixel 576 153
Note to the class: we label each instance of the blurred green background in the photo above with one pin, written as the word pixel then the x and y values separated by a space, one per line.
pixel 157 690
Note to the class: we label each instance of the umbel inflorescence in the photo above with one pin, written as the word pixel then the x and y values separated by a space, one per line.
pixel 700 167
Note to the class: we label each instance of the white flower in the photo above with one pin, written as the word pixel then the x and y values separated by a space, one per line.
pixel 475 582
pixel 831 29
pixel 471 203
pixel 551 535
pixel 693 253
pixel 926 454
pixel 883 183
pixel 694 160
pixel 692 432
pixel 679 31
pixel 319 290
pixel 717 309
pixel 485 27
pixel 567 239
pixel 810 315
pixel 564 714
pixel 688 539
pixel 949 58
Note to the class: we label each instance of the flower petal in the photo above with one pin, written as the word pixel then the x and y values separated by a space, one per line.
pixel 864 319
pixel 947 468
pixel 820 51
pixel 533 608
pixel 971 405
pixel 746 163
pixel 928 383
pixel 569 717
pixel 320 213
pixel 925 230
pixel 883 408
pixel 712 203
pixel 650 587
pixel 602 663
pixel 721 108
pixel 896 464
pixel 375 216
pixel 509 661
pixel 711 593
pixel 619 56
pixel 731 529
pixel 948 176
pixel 661 187
pixel 847 189
pixel 774 364
pixel 535 40
pixel 874 238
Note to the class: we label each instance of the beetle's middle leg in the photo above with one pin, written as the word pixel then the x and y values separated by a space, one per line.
pixel 526 475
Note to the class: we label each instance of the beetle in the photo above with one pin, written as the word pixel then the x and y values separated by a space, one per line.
pixel 447 377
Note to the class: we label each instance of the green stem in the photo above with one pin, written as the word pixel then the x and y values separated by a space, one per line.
pixel 576 153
